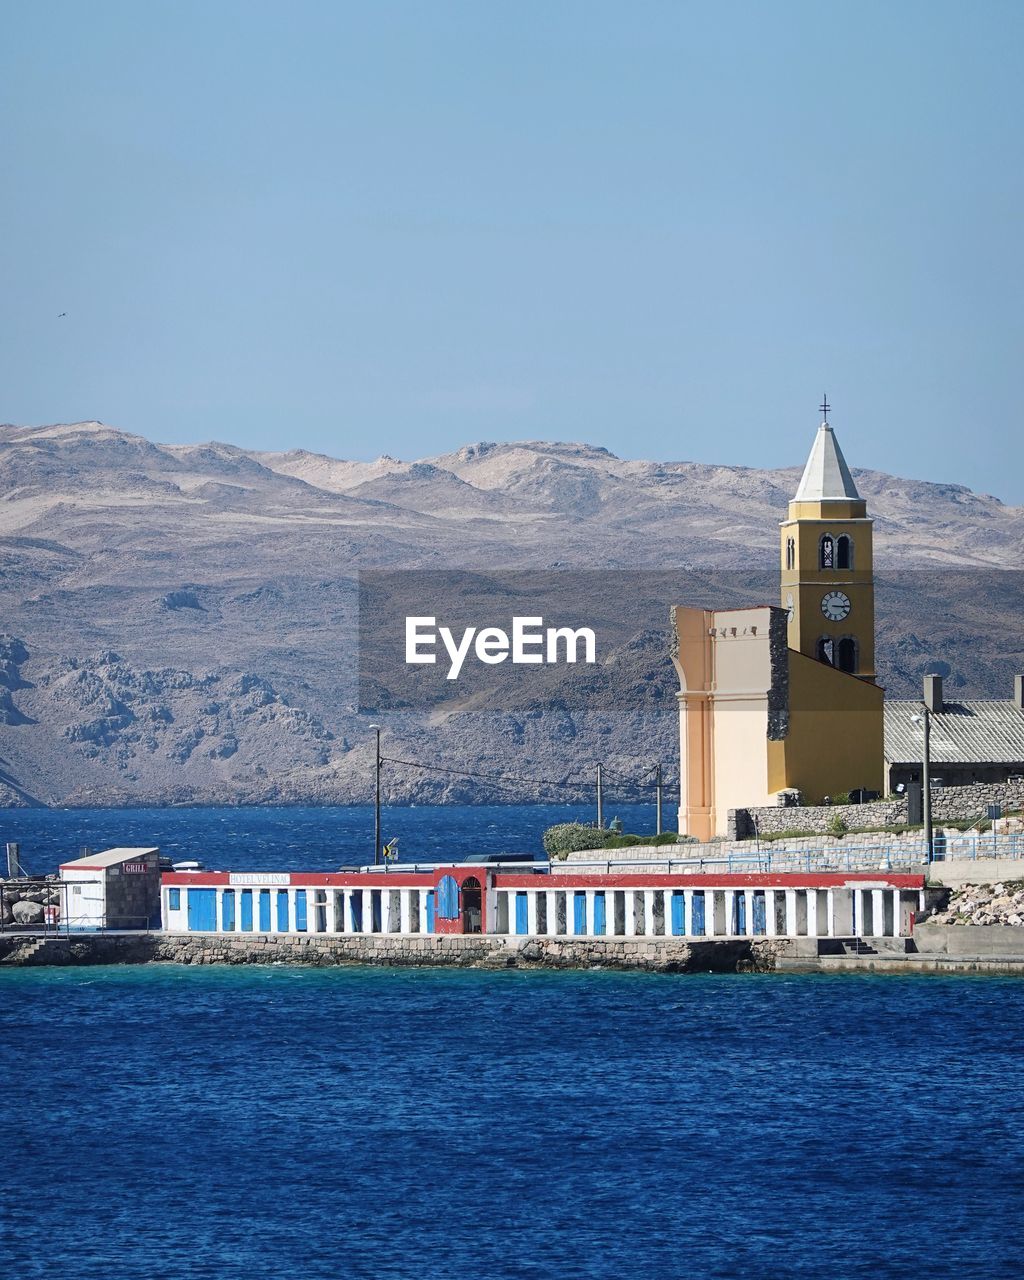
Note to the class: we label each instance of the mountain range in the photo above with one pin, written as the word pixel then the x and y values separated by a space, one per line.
pixel 179 621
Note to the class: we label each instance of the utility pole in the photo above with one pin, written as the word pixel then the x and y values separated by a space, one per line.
pixel 600 800
pixel 376 803
pixel 657 784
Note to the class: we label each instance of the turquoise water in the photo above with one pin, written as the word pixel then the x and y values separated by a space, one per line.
pixel 164 1122
pixel 298 839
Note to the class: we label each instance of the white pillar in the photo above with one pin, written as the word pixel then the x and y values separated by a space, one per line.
pixel 570 912
pixel 630 921
pixel 424 899
pixel 550 912
pixel 730 908
pixel 812 912
pixel 405 911
pixel 709 913
pixel 589 926
pixel 770 930
pixel 531 912
pixel 748 912
pixel 219 909
pixel 367 911
pixel 790 913
pixel 688 912
pixel 858 913
pixel 666 910
pixel 897 914
pixel 878 911
pixel 830 913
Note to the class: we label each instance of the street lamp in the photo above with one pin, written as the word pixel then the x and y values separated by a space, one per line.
pixel 376 803
pixel 925 719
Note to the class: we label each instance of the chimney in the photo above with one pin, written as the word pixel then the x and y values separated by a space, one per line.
pixel 1018 692
pixel 933 693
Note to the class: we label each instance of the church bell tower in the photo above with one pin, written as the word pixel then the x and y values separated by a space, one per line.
pixel 827 572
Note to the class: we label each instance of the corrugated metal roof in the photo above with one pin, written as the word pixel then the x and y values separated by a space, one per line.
pixel 109 858
pixel 962 733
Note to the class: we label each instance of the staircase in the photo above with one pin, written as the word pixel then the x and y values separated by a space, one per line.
pixel 26 949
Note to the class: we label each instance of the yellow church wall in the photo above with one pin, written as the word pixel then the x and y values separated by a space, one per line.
pixel 835 738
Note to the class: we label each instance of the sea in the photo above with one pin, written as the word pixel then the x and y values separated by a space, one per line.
pixel 180 1121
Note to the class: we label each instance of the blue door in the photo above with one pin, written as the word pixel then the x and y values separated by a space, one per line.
pixel 739 914
pixel 600 914
pixel 247 910
pixel 227 911
pixel 264 911
pixel 697 907
pixel 579 911
pixel 301 920
pixel 355 911
pixel 522 913
pixel 282 910
pixel 678 913
pixel 760 917
pixel 202 910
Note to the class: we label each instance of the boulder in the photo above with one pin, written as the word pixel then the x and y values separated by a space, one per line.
pixel 27 913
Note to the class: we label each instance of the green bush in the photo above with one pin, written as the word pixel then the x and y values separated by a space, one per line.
pixel 572 837
pixel 577 837
pixel 838 826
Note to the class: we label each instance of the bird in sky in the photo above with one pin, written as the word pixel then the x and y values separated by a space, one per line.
pixel 62 315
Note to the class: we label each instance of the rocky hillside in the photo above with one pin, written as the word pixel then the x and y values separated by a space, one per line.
pixel 179 621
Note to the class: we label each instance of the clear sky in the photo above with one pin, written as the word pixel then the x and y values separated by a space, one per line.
pixel 666 228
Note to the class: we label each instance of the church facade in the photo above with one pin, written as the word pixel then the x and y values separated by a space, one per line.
pixel 780 698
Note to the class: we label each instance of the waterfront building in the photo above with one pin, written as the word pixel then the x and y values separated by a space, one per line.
pixel 557 901
pixel 782 698
pixel 115 889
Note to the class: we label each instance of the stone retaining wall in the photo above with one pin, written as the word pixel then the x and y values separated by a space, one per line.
pixel 949 804
pixel 664 955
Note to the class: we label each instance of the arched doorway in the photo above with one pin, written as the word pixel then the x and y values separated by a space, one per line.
pixel 472 905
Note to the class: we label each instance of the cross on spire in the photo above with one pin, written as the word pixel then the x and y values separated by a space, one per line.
pixel 825 406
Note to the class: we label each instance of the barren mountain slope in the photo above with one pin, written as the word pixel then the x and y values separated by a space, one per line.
pixel 180 620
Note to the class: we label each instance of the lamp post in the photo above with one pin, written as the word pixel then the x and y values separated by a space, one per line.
pixel 376 803
pixel 925 720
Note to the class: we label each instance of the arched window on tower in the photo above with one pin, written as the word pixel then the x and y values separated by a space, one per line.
pixel 790 553
pixel 846 652
pixel 827 555
pixel 844 552
pixel 827 650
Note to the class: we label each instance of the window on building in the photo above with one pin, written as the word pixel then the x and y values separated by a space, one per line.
pixel 173 899
pixel 846 653
pixel 790 553
pixel 844 552
pixel 827 650
pixel 828 552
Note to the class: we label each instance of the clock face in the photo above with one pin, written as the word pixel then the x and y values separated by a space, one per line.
pixel 835 605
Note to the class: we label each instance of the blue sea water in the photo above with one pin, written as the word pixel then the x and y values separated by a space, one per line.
pixel 166 1121
pixel 296 839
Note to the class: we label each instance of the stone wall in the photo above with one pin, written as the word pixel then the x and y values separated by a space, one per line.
pixel 949 804
pixel 663 955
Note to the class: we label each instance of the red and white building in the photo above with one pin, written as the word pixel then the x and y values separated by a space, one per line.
pixel 530 901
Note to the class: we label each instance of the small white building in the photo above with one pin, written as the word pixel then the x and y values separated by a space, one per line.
pixel 116 889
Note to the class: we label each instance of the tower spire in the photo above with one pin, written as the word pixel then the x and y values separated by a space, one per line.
pixel 826 474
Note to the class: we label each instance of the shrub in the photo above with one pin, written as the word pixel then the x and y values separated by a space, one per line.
pixel 572 837
pixel 838 826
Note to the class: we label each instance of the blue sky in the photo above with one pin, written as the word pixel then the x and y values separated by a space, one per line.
pixel 665 228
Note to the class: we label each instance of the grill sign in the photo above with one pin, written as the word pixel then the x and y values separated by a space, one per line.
pixel 135 868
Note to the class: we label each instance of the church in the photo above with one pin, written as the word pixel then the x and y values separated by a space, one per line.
pixel 783 698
